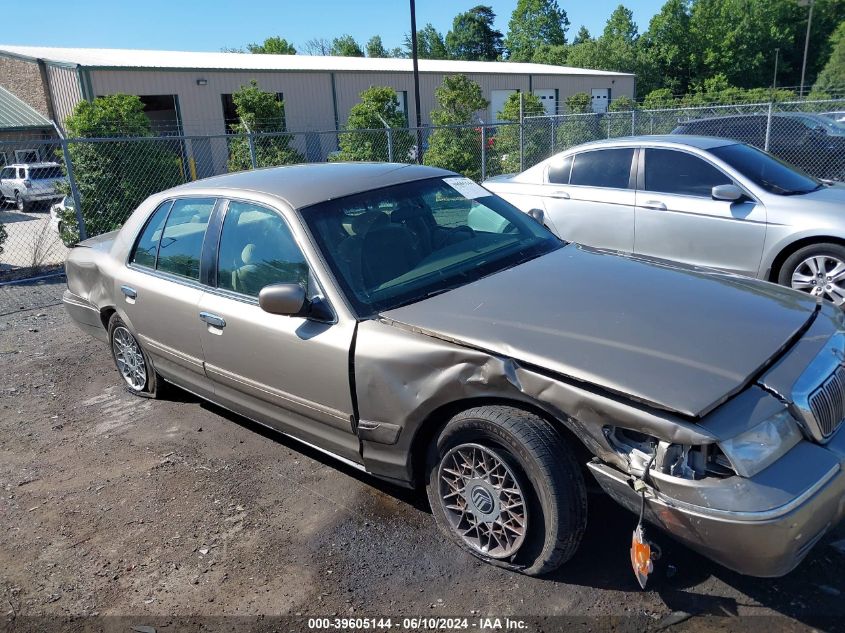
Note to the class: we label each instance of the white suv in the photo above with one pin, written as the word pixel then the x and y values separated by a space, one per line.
pixel 28 183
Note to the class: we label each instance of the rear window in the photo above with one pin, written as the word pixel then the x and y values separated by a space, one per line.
pixel 45 173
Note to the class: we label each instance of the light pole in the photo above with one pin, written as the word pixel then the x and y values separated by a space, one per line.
pixel 416 80
pixel 775 79
pixel 804 3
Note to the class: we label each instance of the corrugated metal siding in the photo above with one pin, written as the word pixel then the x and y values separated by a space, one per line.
pixel 65 88
pixel 15 114
pixel 308 96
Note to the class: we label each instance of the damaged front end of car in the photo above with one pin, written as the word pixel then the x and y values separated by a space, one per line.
pixel 748 484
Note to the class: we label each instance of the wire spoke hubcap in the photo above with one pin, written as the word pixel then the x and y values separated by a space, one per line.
pixel 821 276
pixel 483 500
pixel 130 360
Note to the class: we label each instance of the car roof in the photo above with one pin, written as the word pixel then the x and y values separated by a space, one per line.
pixel 700 142
pixel 34 165
pixel 304 185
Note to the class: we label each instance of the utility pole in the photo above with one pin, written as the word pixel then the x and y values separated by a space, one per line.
pixel 416 79
pixel 804 3
pixel 775 79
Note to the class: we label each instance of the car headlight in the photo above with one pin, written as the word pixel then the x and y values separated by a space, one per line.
pixel 755 449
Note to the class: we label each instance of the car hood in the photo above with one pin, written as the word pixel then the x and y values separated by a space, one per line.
pixel 676 338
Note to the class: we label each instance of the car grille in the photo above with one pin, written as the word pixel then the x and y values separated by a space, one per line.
pixel 827 402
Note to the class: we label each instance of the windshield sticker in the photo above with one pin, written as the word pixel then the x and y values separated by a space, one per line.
pixel 467 187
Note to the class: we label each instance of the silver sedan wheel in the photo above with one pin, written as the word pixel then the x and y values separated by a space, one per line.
pixel 482 500
pixel 130 359
pixel 821 276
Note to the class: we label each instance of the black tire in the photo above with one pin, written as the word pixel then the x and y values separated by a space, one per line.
pixel 154 385
pixel 825 249
pixel 545 469
pixel 20 203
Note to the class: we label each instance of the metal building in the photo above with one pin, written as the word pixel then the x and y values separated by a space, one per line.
pixel 190 92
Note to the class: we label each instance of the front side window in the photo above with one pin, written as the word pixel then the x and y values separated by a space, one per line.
pixel 257 249
pixel 602 168
pixel 397 245
pixel 668 171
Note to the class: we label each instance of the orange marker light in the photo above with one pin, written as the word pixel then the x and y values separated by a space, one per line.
pixel 641 556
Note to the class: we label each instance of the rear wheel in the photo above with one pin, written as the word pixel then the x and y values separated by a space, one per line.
pixel 20 203
pixel 505 487
pixel 132 363
pixel 817 269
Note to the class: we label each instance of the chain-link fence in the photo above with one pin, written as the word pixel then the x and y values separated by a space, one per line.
pixel 807 134
pixel 58 191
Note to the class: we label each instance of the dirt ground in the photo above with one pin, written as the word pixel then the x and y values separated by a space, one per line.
pixel 174 511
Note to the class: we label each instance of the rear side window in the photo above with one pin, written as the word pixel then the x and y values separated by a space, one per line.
pixel 602 168
pixel 147 246
pixel 181 241
pixel 559 172
pixel 668 171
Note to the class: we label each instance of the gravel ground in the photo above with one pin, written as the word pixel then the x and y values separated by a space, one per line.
pixel 173 512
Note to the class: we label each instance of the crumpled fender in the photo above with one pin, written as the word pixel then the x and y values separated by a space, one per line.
pixel 407 379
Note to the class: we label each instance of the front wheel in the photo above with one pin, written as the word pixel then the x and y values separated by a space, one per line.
pixel 505 487
pixel 817 269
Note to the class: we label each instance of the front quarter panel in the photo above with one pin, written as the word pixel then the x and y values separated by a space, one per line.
pixel 406 380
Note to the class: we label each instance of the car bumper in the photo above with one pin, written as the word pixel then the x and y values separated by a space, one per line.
pixel 767 543
pixel 85 315
pixel 39 196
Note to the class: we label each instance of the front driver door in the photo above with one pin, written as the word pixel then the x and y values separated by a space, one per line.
pixel 678 219
pixel 589 198
pixel 288 372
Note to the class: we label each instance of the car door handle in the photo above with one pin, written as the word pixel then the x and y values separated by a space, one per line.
pixel 654 204
pixel 560 195
pixel 129 292
pixel 213 319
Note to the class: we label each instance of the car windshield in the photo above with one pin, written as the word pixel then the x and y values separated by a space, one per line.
pixel 817 121
pixel 400 244
pixel 766 171
pixel 45 173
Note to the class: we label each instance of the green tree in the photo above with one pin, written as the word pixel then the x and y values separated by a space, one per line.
pixel 430 44
pixel 619 120
pixel 831 79
pixel 272 46
pixel 263 114
pixel 114 177
pixel 535 134
pixel 666 50
pixel 318 46
pixel 555 54
pixel 535 22
pixel 346 46
pixel 580 128
pixel 473 37
pixel 615 49
pixel 583 35
pixel 375 48
pixel 378 104
pixel 456 148
pixel 659 98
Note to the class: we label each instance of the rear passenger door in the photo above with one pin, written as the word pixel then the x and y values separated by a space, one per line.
pixel 678 219
pixel 590 198
pixel 160 289
pixel 289 372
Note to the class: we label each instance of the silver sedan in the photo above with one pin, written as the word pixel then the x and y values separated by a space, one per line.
pixel 697 200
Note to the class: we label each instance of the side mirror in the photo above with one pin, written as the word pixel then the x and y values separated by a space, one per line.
pixel 730 193
pixel 538 215
pixel 286 299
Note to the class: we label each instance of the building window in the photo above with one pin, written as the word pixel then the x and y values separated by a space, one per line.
pixel 230 112
pixel 163 113
pixel 27 156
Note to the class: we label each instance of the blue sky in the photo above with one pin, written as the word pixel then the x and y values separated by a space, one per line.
pixel 211 24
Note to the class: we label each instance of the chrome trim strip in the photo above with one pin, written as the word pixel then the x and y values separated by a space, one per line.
pixel 320 449
pixel 76 300
pixel 274 394
pixel 726 515
pixel 171 353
